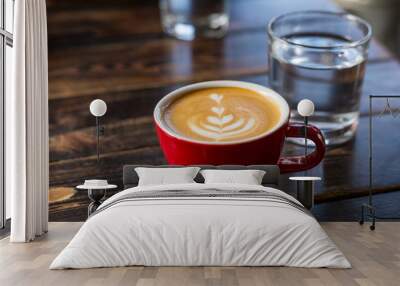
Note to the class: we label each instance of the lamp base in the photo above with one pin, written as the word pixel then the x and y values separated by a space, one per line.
pixel 368 211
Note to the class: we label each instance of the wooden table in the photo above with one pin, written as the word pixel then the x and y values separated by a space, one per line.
pixel 116 51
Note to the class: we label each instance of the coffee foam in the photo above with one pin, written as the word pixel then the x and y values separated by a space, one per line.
pixel 222 114
pixel 220 125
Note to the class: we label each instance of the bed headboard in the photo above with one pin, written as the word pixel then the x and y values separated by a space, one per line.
pixel 271 178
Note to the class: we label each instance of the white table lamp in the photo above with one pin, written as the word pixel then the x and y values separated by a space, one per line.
pixel 98 108
pixel 305 108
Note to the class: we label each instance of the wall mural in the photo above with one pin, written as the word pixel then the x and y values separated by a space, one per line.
pixel 101 49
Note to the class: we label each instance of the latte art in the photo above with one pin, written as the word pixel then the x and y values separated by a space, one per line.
pixel 221 125
pixel 222 114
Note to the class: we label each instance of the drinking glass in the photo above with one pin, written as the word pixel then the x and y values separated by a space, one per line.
pixel 186 19
pixel 320 56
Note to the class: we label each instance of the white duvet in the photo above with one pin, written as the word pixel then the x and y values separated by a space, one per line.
pixel 200 231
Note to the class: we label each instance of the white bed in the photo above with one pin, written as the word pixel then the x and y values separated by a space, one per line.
pixel 185 230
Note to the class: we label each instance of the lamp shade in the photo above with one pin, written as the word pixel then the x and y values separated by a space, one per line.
pixel 305 107
pixel 98 107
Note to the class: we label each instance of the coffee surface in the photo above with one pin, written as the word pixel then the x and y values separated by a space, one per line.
pixel 222 114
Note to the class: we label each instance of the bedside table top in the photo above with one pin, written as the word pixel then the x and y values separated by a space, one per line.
pixel 305 178
pixel 87 187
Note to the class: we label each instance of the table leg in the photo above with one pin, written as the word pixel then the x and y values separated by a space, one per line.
pixel 92 207
pixel 308 194
pixel 96 197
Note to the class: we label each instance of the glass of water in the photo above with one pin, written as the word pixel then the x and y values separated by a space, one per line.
pixel 186 19
pixel 320 56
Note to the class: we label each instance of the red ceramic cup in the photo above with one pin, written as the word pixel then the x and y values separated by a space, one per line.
pixel 265 148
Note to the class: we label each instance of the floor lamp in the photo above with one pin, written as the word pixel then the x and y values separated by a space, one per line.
pixel 368 210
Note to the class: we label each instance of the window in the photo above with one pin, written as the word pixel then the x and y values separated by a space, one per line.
pixel 6 62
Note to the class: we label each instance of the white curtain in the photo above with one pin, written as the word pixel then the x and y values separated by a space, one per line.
pixel 27 161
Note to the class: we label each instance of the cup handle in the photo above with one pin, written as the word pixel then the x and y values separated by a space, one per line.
pixel 301 163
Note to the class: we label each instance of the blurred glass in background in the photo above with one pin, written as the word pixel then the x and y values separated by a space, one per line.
pixel 187 19
pixel 383 15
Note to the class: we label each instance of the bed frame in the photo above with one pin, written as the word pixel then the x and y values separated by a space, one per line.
pixel 271 178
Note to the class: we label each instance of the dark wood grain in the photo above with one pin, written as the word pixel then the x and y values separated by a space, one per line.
pixel 97 21
pixel 116 51
pixel 102 57
pixel 122 67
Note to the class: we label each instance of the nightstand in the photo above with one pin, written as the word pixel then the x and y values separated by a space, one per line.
pixel 305 190
pixel 96 195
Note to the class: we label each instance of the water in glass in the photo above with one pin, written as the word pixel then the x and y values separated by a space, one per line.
pixel 332 79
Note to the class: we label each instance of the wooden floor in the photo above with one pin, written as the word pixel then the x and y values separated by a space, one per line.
pixel 375 257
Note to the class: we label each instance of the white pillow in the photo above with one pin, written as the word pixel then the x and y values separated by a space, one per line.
pixel 248 177
pixel 164 176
